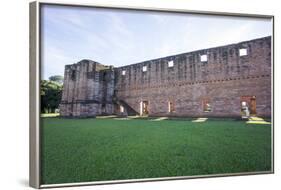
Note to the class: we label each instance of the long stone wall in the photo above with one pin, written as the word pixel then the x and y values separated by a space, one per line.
pixel 222 80
pixel 219 78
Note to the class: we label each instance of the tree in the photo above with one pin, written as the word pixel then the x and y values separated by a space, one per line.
pixel 56 78
pixel 50 92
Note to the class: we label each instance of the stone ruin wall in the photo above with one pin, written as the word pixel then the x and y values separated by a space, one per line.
pixel 88 89
pixel 222 80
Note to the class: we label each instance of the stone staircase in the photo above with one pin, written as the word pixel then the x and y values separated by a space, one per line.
pixel 130 111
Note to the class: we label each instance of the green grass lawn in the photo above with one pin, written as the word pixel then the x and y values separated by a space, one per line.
pixel 81 150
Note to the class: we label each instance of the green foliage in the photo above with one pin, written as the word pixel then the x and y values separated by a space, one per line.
pixel 50 92
pixel 56 78
pixel 80 150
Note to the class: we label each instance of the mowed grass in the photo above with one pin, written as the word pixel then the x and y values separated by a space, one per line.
pixel 81 150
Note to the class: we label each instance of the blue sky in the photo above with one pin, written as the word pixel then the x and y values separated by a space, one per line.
pixel 122 37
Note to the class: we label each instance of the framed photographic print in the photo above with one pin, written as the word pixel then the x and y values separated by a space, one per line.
pixel 132 94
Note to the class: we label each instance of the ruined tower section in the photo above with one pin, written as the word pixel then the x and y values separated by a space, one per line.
pixel 210 82
pixel 87 90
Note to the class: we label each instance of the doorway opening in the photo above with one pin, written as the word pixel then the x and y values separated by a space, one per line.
pixel 249 102
pixel 171 106
pixel 144 108
pixel 206 105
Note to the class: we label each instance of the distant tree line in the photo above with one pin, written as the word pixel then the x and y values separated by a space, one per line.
pixel 51 92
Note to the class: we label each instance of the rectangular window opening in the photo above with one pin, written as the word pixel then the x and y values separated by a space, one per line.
pixel 123 72
pixel 144 68
pixel 243 52
pixel 73 74
pixel 204 58
pixel 170 63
